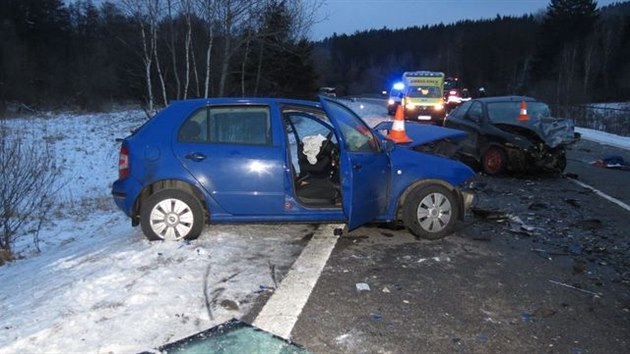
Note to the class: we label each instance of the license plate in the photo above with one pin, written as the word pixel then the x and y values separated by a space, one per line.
pixel 424 117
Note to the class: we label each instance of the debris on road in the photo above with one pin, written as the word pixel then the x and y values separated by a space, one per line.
pixel 588 224
pixel 614 162
pixel 597 295
pixel 517 226
pixel 362 287
pixel 489 214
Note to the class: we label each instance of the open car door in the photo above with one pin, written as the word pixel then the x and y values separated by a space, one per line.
pixel 363 164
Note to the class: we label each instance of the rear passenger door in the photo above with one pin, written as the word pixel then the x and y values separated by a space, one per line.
pixel 231 153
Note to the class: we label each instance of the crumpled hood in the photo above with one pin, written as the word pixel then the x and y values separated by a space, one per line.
pixel 421 133
pixel 552 131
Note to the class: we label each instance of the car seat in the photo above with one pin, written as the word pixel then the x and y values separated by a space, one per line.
pixel 316 181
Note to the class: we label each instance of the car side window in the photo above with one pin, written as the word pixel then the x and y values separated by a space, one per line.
pixel 195 129
pixel 475 112
pixel 357 135
pixel 459 112
pixel 247 125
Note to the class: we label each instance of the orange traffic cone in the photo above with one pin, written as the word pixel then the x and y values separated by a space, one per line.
pixel 522 115
pixel 397 134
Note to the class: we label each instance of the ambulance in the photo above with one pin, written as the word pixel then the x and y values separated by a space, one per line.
pixel 424 96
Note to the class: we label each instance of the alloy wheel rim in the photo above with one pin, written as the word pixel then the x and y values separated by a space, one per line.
pixel 171 219
pixel 434 212
pixel 493 160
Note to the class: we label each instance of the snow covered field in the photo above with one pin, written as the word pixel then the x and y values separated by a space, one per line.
pixel 98 286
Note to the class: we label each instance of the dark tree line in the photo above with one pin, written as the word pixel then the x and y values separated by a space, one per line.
pixel 155 51
pixel 571 53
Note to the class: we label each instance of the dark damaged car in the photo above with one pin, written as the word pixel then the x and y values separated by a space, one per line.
pixel 512 133
pixel 233 160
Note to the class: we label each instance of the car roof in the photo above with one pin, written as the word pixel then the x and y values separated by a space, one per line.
pixel 243 100
pixel 506 99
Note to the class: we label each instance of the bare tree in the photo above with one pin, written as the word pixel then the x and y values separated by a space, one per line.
pixel 27 184
pixel 172 35
pixel 155 12
pixel 136 10
pixel 590 59
pixel 566 73
pixel 187 9
pixel 208 11
pixel 232 15
pixel 147 15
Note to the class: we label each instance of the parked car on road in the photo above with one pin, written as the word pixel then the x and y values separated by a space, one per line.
pixel 512 133
pixel 234 160
pixel 395 97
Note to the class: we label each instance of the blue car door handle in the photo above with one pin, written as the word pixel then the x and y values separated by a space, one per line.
pixel 357 166
pixel 196 156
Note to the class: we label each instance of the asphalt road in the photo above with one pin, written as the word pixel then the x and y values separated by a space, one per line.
pixel 613 182
pixel 557 279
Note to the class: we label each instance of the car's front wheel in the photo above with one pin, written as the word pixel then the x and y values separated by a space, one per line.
pixel 430 212
pixel 171 214
pixel 494 161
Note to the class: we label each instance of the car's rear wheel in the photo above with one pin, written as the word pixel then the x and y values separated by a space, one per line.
pixel 430 212
pixel 171 214
pixel 494 161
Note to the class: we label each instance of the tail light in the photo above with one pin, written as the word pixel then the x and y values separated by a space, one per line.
pixel 452 93
pixel 123 163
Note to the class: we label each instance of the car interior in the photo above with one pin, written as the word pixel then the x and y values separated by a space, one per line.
pixel 314 156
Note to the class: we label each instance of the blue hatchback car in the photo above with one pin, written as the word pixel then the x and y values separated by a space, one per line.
pixel 231 160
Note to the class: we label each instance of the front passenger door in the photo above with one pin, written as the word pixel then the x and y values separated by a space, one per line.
pixel 365 167
pixel 468 118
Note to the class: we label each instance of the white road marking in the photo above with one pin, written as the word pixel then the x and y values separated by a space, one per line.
pixel 282 310
pixel 602 194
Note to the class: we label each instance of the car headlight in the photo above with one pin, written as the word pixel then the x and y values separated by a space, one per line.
pixel 410 106
pixel 390 102
pixel 438 107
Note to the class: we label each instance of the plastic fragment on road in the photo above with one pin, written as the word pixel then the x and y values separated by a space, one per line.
pixel 362 287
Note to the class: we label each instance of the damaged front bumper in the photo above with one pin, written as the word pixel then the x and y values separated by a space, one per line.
pixel 537 158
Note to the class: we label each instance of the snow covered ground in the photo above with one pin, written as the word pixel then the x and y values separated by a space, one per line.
pixel 97 285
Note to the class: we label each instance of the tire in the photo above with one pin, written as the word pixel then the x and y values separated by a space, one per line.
pixel 494 161
pixel 430 212
pixel 172 215
pixel 561 163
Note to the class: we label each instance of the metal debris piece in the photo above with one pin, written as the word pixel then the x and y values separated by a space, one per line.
pixel 517 226
pixel 576 288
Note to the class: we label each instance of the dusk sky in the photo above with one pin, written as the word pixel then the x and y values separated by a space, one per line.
pixel 349 16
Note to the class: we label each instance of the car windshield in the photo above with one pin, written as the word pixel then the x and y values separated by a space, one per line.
pixel 508 112
pixel 424 91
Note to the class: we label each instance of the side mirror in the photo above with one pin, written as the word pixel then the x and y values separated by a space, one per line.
pixel 388 145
